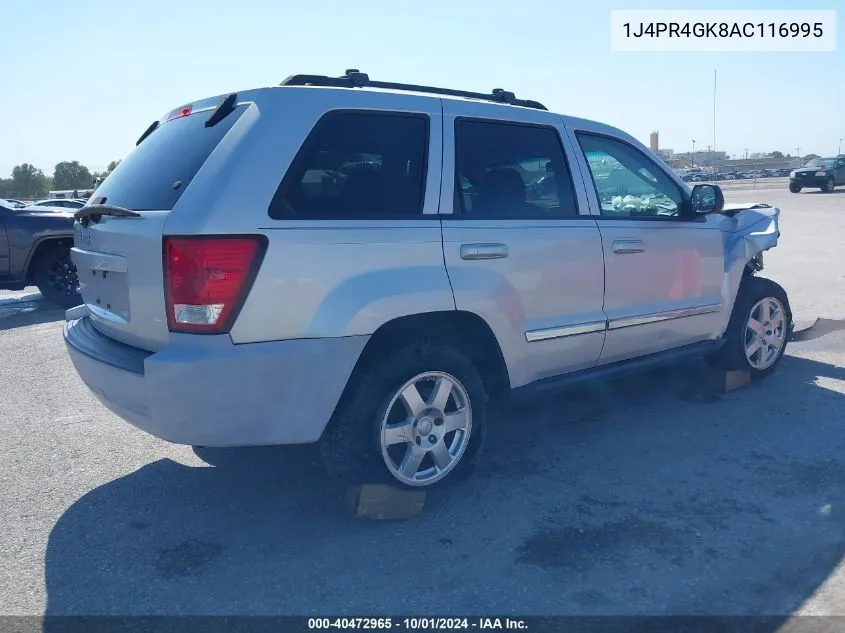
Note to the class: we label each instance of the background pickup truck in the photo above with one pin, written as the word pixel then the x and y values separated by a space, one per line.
pixel 35 251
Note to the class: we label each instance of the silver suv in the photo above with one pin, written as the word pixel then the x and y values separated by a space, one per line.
pixel 365 264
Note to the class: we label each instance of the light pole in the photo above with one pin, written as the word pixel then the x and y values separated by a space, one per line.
pixel 840 147
pixel 693 152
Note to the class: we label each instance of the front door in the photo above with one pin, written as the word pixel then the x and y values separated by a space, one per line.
pixel 663 269
pixel 520 246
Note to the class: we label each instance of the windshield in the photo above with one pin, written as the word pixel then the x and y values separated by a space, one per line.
pixel 158 171
pixel 822 162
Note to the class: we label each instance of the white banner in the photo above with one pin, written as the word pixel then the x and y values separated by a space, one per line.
pixel 723 31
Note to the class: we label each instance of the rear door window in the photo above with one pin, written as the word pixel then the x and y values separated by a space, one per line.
pixel 511 171
pixel 157 172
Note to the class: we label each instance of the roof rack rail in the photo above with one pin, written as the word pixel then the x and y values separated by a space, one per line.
pixel 353 78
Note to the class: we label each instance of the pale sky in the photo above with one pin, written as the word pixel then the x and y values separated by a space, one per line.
pixel 81 80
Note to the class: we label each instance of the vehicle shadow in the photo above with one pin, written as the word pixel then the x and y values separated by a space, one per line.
pixel 819 192
pixel 28 309
pixel 648 496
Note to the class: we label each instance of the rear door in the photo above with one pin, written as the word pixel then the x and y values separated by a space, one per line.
pixel 520 246
pixel 119 259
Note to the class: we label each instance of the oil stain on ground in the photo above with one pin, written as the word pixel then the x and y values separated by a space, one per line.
pixel 580 548
pixel 186 558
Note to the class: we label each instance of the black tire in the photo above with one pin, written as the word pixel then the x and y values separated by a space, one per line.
pixel 55 276
pixel 350 446
pixel 830 185
pixel 794 188
pixel 732 354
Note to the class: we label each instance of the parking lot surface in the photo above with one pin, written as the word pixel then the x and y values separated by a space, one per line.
pixel 648 496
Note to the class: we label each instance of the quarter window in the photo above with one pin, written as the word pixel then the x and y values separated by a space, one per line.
pixel 627 183
pixel 357 165
pixel 508 171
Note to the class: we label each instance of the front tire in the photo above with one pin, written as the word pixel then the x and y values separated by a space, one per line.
pixel 794 187
pixel 758 331
pixel 55 275
pixel 829 185
pixel 413 415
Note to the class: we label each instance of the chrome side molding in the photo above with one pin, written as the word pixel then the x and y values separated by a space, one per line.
pixel 592 327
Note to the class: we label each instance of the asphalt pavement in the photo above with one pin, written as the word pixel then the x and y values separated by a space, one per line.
pixel 648 496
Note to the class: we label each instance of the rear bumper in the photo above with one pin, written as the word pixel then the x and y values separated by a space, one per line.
pixel 207 391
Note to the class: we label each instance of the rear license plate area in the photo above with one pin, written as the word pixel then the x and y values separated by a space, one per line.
pixel 106 290
pixel 103 282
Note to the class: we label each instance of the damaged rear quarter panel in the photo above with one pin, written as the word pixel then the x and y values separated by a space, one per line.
pixel 749 230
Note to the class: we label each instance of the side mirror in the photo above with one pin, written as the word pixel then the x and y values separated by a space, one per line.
pixel 707 199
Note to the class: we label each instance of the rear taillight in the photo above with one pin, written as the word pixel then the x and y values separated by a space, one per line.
pixel 207 279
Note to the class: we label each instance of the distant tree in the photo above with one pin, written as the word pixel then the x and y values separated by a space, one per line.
pixel 28 182
pixel 775 154
pixel 810 156
pixel 112 166
pixel 757 155
pixel 71 175
pixel 5 187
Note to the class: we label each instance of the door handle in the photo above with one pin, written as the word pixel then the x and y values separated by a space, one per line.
pixel 484 251
pixel 625 247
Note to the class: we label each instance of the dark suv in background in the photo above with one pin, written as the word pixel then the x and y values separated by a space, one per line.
pixel 824 173
pixel 35 251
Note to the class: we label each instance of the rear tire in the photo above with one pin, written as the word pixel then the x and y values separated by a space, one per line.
pixel 758 331
pixel 380 432
pixel 794 188
pixel 55 275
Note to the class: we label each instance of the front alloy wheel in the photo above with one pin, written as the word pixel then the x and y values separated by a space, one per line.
pixel 765 333
pixel 758 331
pixel 426 428
pixel 830 185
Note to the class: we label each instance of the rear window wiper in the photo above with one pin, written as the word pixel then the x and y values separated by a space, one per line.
pixel 226 107
pixel 147 132
pixel 93 213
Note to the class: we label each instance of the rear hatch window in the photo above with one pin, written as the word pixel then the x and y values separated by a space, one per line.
pixel 157 172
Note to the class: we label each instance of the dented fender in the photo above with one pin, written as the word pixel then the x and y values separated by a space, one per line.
pixel 749 230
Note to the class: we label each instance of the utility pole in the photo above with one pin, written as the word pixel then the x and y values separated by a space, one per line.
pixel 746 153
pixel 798 151
pixel 714 120
pixel 693 152
pixel 840 147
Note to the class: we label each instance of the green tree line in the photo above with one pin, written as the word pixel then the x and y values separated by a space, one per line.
pixel 29 182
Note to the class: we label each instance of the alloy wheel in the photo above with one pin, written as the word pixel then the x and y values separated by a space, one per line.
pixel 765 333
pixel 426 428
pixel 63 278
